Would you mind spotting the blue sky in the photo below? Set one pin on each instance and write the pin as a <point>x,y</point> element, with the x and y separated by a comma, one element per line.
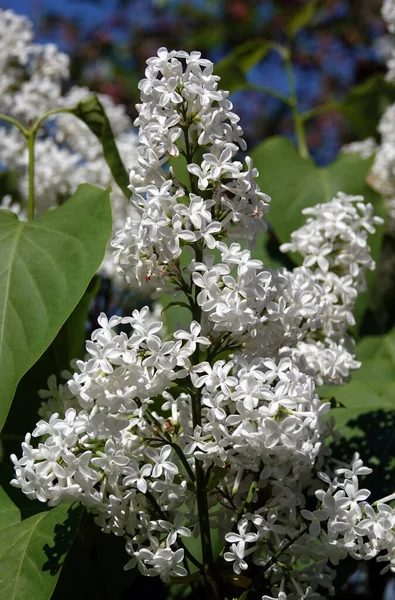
<point>88,13</point>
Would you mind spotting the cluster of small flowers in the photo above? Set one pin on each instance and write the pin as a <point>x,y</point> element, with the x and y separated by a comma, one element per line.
<point>344,524</point>
<point>229,402</point>
<point>127,452</point>
<point>273,309</point>
<point>31,74</point>
<point>183,111</point>
<point>66,152</point>
<point>382,176</point>
<point>364,148</point>
<point>333,243</point>
<point>388,14</point>
<point>114,452</point>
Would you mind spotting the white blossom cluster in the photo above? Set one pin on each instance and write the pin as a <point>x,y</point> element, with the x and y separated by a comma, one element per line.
<point>382,175</point>
<point>67,153</point>
<point>218,426</point>
<point>388,14</point>
<point>363,148</point>
<point>184,112</point>
<point>333,243</point>
<point>31,74</point>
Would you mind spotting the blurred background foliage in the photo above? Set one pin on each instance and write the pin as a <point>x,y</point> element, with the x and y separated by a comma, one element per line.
<point>338,51</point>
<point>340,46</point>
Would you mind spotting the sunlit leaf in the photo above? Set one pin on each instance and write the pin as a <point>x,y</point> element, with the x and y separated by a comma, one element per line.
<point>45,267</point>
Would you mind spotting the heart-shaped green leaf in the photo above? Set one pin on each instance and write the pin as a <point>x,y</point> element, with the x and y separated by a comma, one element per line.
<point>32,551</point>
<point>45,267</point>
<point>294,183</point>
<point>372,387</point>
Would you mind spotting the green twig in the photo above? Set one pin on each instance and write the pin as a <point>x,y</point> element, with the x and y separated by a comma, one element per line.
<point>30,147</point>
<point>30,135</point>
<point>16,124</point>
<point>319,110</point>
<point>270,92</point>
<point>297,117</point>
<point>281,551</point>
<point>201,492</point>
<point>175,446</point>
<point>50,113</point>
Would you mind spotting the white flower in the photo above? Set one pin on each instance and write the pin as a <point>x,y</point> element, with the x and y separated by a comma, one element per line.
<point>161,464</point>
<point>193,338</point>
<point>236,556</point>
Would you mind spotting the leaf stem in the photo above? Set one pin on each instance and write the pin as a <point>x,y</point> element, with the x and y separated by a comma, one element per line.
<point>30,147</point>
<point>320,110</point>
<point>55,111</point>
<point>14,122</point>
<point>266,90</point>
<point>30,135</point>
<point>297,117</point>
<point>283,549</point>
<point>201,492</point>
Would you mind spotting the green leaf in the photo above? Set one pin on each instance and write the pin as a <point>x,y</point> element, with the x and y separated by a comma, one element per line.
<point>372,387</point>
<point>175,313</point>
<point>294,183</point>
<point>68,344</point>
<point>364,104</point>
<point>72,336</point>
<point>367,419</point>
<point>96,561</point>
<point>92,113</point>
<point>9,184</point>
<point>45,267</point>
<point>234,67</point>
<point>216,475</point>
<point>178,164</point>
<point>32,550</point>
<point>302,18</point>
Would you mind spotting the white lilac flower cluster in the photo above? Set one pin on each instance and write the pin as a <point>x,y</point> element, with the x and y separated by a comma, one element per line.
<point>388,46</point>
<point>382,175</point>
<point>333,243</point>
<point>31,74</point>
<point>219,426</point>
<point>184,112</point>
<point>66,152</point>
<point>363,148</point>
<point>388,14</point>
